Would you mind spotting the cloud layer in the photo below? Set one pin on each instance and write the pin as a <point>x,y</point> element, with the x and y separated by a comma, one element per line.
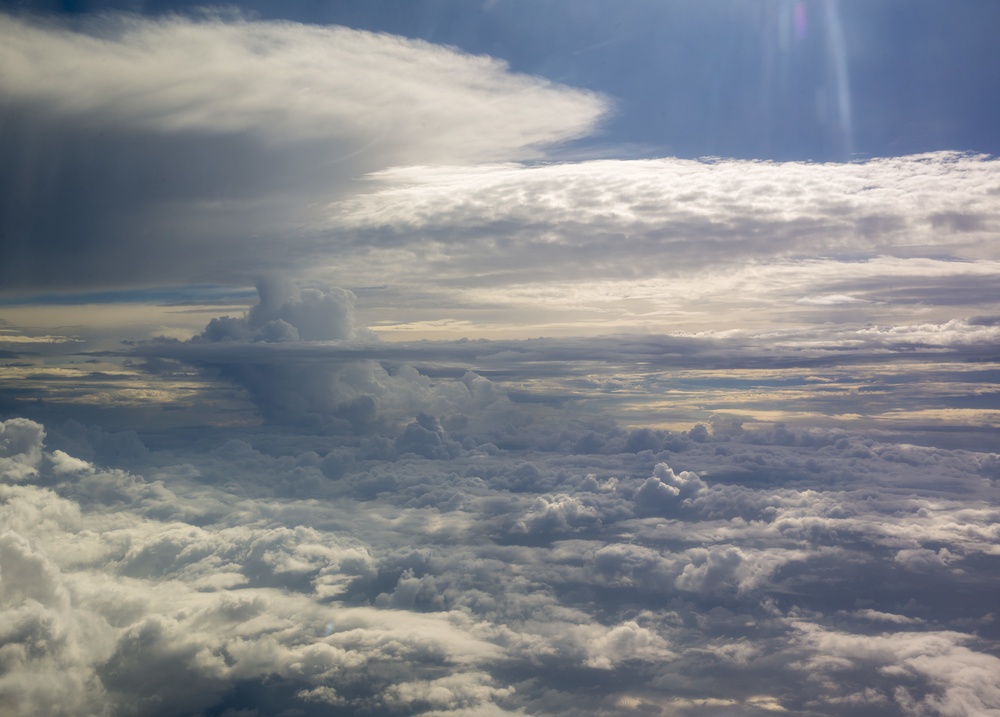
<point>219,149</point>
<point>303,359</point>
<point>667,242</point>
<point>799,573</point>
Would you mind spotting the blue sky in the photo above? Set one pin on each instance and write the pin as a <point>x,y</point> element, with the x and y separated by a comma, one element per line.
<point>499,358</point>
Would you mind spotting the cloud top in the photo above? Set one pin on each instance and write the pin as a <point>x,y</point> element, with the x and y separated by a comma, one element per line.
<point>286,82</point>
<point>183,149</point>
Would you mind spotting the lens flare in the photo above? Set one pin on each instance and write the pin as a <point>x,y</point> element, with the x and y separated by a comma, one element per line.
<point>800,22</point>
<point>838,59</point>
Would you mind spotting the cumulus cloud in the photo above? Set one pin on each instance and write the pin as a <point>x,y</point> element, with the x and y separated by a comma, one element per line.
<point>20,448</point>
<point>664,490</point>
<point>956,679</point>
<point>477,581</point>
<point>311,314</point>
<point>337,389</point>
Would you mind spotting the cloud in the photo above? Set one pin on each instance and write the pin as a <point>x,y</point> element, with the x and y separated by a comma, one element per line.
<point>181,147</point>
<point>686,209</point>
<point>286,82</point>
<point>219,149</point>
<point>304,358</point>
<point>627,641</point>
<point>780,495</point>
<point>478,581</point>
<point>20,448</point>
<point>664,489</point>
<point>957,677</point>
<point>47,641</point>
<point>286,312</point>
<point>610,245</point>
<point>335,394</point>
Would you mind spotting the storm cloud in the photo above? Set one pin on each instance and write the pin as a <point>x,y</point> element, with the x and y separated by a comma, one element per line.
<point>163,139</point>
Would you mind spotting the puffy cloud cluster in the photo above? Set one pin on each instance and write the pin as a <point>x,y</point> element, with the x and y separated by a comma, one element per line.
<point>20,448</point>
<point>287,312</point>
<point>742,570</point>
<point>664,490</point>
<point>339,391</point>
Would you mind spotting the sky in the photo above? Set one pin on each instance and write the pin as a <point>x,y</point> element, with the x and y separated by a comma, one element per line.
<point>506,358</point>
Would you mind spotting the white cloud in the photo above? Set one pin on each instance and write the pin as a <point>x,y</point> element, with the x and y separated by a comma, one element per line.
<point>647,244</point>
<point>288,82</point>
<point>205,149</point>
<point>20,448</point>
<point>665,489</point>
<point>484,582</point>
<point>810,209</point>
<point>960,679</point>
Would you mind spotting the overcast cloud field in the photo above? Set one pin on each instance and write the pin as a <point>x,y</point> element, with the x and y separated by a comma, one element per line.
<point>506,358</point>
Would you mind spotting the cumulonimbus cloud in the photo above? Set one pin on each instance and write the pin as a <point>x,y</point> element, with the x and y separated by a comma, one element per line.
<point>287,82</point>
<point>176,147</point>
